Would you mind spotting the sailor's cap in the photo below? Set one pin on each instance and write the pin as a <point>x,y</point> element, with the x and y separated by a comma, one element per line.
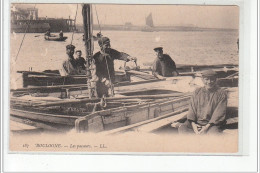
<point>70,46</point>
<point>103,40</point>
<point>208,73</point>
<point>158,49</point>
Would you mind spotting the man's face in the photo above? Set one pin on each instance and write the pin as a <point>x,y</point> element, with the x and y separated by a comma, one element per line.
<point>159,54</point>
<point>106,46</point>
<point>78,54</point>
<point>209,82</point>
<point>70,52</point>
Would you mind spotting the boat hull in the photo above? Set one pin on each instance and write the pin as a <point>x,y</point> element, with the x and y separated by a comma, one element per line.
<point>55,38</point>
<point>101,120</point>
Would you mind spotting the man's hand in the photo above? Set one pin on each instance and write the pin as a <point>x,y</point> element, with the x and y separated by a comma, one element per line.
<point>204,129</point>
<point>160,77</point>
<point>196,128</point>
<point>133,59</point>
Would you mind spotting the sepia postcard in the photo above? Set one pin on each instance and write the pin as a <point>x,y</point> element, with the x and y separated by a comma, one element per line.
<point>124,78</point>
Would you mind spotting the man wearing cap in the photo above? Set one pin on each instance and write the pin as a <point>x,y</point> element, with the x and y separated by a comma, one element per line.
<point>81,62</point>
<point>104,61</point>
<point>207,108</point>
<point>163,65</point>
<point>69,66</point>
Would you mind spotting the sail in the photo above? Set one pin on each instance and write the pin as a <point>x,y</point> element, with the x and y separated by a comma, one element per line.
<point>149,20</point>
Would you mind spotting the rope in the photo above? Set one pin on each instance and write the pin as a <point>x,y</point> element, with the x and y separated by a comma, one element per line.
<point>98,20</point>
<point>74,23</point>
<point>23,37</point>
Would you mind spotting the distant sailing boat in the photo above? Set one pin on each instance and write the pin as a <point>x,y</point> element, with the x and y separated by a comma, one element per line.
<point>149,24</point>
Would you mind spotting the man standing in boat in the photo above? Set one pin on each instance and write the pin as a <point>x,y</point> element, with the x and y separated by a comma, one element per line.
<point>104,61</point>
<point>163,65</point>
<point>69,66</point>
<point>61,34</point>
<point>207,108</point>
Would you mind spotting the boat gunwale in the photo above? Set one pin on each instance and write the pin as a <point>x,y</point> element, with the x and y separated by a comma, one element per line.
<point>13,111</point>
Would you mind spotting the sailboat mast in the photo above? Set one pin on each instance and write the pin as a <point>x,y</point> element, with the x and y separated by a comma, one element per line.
<point>88,30</point>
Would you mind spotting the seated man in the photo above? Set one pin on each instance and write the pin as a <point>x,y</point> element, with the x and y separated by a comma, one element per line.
<point>207,108</point>
<point>69,66</point>
<point>163,65</point>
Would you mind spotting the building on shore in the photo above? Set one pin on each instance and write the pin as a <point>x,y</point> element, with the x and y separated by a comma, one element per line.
<point>24,18</point>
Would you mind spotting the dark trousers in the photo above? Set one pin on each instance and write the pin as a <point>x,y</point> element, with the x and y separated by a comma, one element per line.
<point>186,128</point>
<point>102,89</point>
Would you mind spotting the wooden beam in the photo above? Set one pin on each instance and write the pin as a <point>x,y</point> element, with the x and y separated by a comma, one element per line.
<point>52,118</point>
<point>153,126</point>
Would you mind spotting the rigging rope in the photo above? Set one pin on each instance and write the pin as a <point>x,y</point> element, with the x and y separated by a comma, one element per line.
<point>74,24</point>
<point>23,37</point>
<point>98,20</point>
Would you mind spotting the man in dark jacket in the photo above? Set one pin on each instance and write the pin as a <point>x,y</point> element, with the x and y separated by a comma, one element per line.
<point>81,62</point>
<point>163,65</point>
<point>104,61</point>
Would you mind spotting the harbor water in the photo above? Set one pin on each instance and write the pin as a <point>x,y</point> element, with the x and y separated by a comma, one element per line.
<point>189,47</point>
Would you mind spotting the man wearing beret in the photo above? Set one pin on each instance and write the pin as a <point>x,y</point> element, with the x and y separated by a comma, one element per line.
<point>163,65</point>
<point>207,108</point>
<point>104,61</point>
<point>69,66</point>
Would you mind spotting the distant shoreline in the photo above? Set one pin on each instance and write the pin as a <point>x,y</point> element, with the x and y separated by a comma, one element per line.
<point>79,29</point>
<point>152,29</point>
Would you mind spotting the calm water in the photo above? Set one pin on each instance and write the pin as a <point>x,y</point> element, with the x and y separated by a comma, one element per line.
<point>214,47</point>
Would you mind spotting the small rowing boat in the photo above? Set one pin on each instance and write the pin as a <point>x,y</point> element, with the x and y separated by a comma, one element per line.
<point>55,38</point>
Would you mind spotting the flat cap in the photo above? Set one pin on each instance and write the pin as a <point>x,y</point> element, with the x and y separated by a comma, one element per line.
<point>103,40</point>
<point>158,49</point>
<point>70,46</point>
<point>208,73</point>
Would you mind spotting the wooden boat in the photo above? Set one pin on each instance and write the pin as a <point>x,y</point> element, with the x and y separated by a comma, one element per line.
<point>66,115</point>
<point>52,77</point>
<point>50,83</point>
<point>130,111</point>
<point>55,38</point>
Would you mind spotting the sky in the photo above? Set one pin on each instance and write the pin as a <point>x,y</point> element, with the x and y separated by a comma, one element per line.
<point>163,15</point>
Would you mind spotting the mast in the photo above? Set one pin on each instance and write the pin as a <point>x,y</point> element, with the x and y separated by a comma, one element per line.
<point>89,46</point>
<point>88,31</point>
